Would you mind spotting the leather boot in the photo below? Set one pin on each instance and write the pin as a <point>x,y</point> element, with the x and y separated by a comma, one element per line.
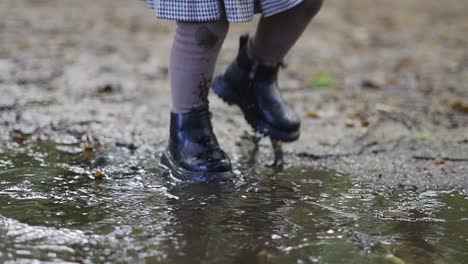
<point>193,153</point>
<point>253,87</point>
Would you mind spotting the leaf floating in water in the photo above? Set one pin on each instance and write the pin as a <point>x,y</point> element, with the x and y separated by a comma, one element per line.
<point>97,174</point>
<point>313,115</point>
<point>460,106</point>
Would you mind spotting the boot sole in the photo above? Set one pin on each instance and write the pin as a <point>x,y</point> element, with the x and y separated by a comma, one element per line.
<point>169,163</point>
<point>260,126</point>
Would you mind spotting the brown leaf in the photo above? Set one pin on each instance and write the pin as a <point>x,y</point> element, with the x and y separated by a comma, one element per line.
<point>97,174</point>
<point>18,136</point>
<point>313,115</point>
<point>460,106</point>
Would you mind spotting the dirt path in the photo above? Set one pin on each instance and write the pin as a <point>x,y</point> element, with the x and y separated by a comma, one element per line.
<point>386,79</point>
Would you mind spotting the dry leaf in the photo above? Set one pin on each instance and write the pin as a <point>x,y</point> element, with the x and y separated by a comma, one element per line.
<point>97,174</point>
<point>313,115</point>
<point>460,106</point>
<point>17,136</point>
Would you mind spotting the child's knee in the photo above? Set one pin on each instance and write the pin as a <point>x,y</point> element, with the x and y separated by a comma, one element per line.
<point>206,35</point>
<point>210,35</point>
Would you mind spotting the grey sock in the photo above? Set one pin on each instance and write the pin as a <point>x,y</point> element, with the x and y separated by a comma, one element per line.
<point>193,58</point>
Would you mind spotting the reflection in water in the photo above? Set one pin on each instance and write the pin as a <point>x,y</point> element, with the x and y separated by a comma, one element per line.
<point>51,209</point>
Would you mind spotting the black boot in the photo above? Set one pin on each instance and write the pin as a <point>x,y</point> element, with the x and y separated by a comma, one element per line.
<point>194,153</point>
<point>253,87</point>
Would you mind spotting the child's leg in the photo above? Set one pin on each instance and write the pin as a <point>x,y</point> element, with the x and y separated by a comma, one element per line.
<point>193,152</point>
<point>277,34</point>
<point>251,80</point>
<point>193,57</point>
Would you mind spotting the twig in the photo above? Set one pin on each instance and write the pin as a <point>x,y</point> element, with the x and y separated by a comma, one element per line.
<point>338,155</point>
<point>420,157</point>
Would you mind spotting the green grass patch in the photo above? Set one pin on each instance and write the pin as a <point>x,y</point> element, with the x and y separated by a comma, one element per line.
<point>321,80</point>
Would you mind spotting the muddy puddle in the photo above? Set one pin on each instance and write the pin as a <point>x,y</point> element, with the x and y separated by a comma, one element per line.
<point>57,206</point>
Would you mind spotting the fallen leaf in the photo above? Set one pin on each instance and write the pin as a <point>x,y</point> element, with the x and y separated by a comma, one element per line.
<point>460,106</point>
<point>18,136</point>
<point>88,151</point>
<point>365,122</point>
<point>313,115</point>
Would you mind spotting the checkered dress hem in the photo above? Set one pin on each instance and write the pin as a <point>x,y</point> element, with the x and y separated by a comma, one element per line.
<point>235,11</point>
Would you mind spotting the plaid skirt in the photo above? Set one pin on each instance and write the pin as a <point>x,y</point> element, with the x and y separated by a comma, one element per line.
<point>212,10</point>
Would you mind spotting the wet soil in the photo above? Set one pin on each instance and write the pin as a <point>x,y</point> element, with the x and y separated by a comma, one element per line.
<point>380,172</point>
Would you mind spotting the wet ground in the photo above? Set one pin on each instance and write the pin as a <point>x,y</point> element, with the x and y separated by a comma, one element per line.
<point>52,211</point>
<point>379,175</point>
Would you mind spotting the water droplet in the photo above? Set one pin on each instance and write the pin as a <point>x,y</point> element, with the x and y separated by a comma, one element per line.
<point>275,236</point>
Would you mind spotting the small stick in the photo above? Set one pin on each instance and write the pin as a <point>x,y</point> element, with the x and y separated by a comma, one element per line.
<point>420,157</point>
